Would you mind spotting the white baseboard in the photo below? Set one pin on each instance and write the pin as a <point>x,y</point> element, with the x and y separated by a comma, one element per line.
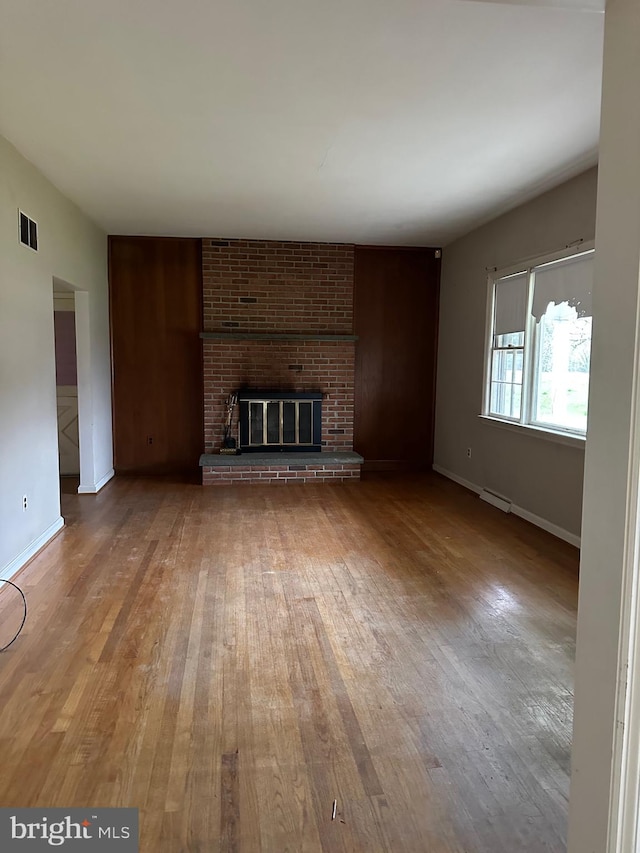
<point>94,489</point>
<point>543,523</point>
<point>459,480</point>
<point>31,550</point>
<point>560,532</point>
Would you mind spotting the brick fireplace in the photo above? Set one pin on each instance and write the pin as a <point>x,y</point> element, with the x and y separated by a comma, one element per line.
<point>279,315</point>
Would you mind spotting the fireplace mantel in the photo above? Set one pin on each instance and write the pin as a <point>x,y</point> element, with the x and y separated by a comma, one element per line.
<point>274,336</point>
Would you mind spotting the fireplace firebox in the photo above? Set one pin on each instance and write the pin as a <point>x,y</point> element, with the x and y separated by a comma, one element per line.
<point>278,421</point>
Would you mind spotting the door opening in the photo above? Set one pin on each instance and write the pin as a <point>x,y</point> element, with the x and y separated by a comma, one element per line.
<point>67,387</point>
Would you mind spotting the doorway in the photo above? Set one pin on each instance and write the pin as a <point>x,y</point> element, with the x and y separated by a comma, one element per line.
<point>64,321</point>
<point>73,386</point>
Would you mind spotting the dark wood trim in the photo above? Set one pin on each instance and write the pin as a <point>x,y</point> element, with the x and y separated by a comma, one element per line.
<point>254,336</point>
<point>141,238</point>
<point>372,466</point>
<point>399,248</point>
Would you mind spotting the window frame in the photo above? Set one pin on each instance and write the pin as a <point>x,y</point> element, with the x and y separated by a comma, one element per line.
<point>531,343</point>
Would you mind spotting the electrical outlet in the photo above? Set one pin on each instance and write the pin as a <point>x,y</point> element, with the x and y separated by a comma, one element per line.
<point>25,503</point>
<point>468,453</point>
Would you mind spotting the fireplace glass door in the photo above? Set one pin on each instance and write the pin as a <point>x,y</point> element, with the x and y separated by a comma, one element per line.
<point>280,423</point>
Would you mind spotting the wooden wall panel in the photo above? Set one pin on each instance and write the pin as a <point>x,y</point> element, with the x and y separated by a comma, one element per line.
<point>156,319</point>
<point>395,317</point>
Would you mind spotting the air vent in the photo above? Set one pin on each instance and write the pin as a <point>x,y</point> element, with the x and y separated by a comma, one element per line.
<point>28,230</point>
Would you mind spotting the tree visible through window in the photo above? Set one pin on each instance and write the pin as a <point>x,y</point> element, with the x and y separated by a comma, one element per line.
<point>540,344</point>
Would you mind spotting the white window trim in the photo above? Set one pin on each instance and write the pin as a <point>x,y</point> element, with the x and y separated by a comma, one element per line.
<point>568,437</point>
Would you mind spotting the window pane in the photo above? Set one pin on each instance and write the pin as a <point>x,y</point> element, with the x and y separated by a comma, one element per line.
<point>514,339</point>
<point>506,383</point>
<point>510,304</point>
<point>564,349</point>
<point>569,280</point>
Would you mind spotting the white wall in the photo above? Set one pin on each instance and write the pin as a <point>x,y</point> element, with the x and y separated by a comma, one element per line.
<point>73,249</point>
<point>543,478</point>
<point>604,813</point>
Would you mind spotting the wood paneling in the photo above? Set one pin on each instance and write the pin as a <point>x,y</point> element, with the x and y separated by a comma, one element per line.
<point>232,661</point>
<point>156,319</point>
<point>395,317</point>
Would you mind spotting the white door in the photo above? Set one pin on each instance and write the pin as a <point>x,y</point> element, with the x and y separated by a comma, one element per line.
<point>68,443</point>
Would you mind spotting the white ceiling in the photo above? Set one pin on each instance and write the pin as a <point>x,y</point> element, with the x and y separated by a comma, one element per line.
<point>367,121</point>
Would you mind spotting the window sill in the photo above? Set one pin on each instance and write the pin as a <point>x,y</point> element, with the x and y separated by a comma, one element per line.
<point>537,432</point>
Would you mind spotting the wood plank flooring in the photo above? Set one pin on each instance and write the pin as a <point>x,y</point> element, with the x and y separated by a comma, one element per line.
<point>231,661</point>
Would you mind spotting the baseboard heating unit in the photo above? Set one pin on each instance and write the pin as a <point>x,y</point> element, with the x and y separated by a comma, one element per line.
<point>495,500</point>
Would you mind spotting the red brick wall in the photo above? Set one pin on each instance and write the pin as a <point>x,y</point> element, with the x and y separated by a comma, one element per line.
<point>319,366</point>
<point>262,286</point>
<point>296,288</point>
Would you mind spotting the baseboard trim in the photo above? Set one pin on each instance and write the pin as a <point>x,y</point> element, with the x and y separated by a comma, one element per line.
<point>560,532</point>
<point>531,517</point>
<point>31,550</point>
<point>456,479</point>
<point>94,489</point>
<point>373,466</point>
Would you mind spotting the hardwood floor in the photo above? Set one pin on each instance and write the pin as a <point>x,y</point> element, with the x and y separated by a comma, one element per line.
<point>231,661</point>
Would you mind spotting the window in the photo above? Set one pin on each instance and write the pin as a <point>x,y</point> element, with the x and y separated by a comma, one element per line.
<point>539,344</point>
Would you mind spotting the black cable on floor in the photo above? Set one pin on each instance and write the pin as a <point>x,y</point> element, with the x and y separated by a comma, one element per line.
<point>24,618</point>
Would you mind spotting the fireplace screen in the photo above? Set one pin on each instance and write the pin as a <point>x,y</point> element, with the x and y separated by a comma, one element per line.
<point>278,421</point>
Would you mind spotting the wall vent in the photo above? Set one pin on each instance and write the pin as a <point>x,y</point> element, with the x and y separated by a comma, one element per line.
<point>495,500</point>
<point>27,231</point>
